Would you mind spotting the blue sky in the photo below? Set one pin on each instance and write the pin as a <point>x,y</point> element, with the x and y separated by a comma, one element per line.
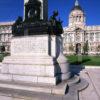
<point>11,9</point>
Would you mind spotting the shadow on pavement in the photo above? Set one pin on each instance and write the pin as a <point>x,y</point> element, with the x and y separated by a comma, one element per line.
<point>75,69</point>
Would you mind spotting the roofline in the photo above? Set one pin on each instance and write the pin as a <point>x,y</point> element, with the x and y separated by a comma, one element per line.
<point>7,23</point>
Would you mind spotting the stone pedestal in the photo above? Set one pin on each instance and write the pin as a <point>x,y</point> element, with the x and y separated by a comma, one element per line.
<point>37,65</point>
<point>36,59</point>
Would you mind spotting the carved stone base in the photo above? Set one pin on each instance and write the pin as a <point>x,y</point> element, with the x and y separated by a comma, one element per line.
<point>37,65</point>
<point>31,61</point>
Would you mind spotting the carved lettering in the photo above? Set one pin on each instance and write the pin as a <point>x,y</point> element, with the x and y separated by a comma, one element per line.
<point>31,45</point>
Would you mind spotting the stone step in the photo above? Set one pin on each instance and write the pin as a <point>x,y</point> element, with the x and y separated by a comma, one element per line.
<point>45,60</point>
<point>29,79</point>
<point>38,88</point>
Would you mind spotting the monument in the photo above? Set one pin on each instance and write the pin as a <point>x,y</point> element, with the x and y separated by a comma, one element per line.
<point>44,9</point>
<point>36,54</point>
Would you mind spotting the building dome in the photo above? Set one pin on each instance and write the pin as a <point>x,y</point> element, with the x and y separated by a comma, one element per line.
<point>77,8</point>
<point>77,16</point>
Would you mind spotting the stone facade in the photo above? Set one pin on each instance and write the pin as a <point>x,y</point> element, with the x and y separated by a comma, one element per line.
<point>5,36</point>
<point>77,34</point>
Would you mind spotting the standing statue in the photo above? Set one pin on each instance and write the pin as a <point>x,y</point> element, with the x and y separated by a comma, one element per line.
<point>32,10</point>
<point>56,24</point>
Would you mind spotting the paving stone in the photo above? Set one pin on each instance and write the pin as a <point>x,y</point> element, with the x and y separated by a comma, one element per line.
<point>94,75</point>
<point>89,93</point>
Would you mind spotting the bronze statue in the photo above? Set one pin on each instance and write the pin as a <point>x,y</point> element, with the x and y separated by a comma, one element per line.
<point>33,25</point>
<point>32,10</point>
<point>56,24</point>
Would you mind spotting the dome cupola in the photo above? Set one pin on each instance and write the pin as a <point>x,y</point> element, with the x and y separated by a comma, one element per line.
<point>77,16</point>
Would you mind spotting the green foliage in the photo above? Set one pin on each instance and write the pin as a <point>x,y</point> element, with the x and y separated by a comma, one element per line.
<point>2,55</point>
<point>86,47</point>
<point>84,59</point>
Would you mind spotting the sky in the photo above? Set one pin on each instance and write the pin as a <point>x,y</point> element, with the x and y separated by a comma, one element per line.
<point>11,9</point>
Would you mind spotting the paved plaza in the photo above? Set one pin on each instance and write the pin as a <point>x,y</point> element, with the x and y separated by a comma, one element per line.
<point>92,75</point>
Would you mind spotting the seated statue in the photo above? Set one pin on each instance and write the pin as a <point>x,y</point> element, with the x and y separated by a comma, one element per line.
<point>32,10</point>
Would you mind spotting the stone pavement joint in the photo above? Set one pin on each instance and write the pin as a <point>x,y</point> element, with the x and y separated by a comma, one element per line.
<point>96,87</point>
<point>92,75</point>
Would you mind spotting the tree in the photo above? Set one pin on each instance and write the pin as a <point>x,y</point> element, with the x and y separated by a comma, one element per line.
<point>86,47</point>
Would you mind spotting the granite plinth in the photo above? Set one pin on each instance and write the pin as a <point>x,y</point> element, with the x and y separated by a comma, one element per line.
<point>33,60</point>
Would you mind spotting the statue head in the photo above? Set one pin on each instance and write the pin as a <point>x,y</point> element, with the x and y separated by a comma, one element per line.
<point>55,13</point>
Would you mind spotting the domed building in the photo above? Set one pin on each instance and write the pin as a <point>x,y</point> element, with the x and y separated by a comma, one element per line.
<point>5,36</point>
<point>77,16</point>
<point>78,38</point>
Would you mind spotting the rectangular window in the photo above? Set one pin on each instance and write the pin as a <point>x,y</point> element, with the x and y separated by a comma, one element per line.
<point>91,36</point>
<point>97,36</point>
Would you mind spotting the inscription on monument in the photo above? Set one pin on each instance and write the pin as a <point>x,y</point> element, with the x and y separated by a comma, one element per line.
<point>33,45</point>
